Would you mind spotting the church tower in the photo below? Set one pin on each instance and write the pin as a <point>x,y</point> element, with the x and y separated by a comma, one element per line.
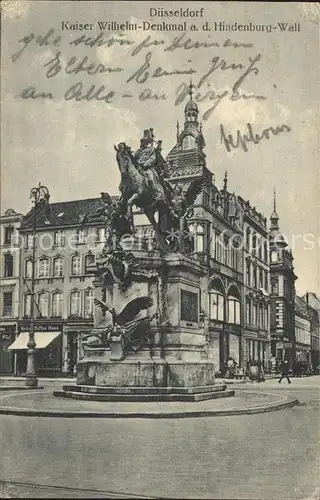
<point>282,293</point>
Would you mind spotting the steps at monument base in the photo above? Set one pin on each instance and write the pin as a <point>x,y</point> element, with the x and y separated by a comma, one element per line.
<point>95,389</point>
<point>120,397</point>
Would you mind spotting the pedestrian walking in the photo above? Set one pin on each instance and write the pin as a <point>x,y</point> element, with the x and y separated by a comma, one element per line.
<point>284,367</point>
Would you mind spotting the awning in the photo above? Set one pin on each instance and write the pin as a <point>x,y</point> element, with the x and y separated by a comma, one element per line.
<point>42,340</point>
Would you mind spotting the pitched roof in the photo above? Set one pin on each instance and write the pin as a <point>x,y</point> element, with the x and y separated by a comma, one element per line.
<point>65,213</point>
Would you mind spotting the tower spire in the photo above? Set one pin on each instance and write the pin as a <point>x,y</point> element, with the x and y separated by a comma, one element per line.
<point>274,219</point>
<point>178,130</point>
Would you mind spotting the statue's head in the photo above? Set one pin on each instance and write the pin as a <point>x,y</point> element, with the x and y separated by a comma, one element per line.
<point>147,138</point>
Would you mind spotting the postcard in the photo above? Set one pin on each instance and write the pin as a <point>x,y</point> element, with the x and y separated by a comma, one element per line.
<point>159,249</point>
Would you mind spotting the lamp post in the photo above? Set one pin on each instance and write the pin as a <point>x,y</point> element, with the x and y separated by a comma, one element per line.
<point>40,197</point>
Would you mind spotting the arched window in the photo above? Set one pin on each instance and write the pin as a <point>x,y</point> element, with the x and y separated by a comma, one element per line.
<point>188,142</point>
<point>76,265</point>
<point>234,306</point>
<point>28,268</point>
<point>43,304</point>
<point>27,305</point>
<point>43,269</point>
<point>88,303</point>
<point>57,304</point>
<point>89,259</point>
<point>75,305</point>
<point>58,267</point>
<point>216,301</point>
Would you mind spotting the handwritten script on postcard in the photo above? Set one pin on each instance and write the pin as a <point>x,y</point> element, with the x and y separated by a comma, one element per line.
<point>74,57</point>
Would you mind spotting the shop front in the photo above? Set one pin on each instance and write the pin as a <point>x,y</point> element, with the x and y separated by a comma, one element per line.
<point>7,358</point>
<point>48,339</point>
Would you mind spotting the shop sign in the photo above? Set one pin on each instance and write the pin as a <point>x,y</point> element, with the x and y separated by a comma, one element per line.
<point>41,328</point>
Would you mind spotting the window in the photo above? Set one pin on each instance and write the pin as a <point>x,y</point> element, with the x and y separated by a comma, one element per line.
<point>8,265</point>
<point>261,319</point>
<point>266,281</point>
<point>255,281</point>
<point>255,314</point>
<point>89,260</point>
<point>27,305</point>
<point>261,278</point>
<point>29,241</point>
<point>58,267</point>
<point>274,256</point>
<point>76,265</point>
<point>248,238</point>
<point>225,250</point>
<point>248,310</point>
<point>44,304</point>
<point>59,238</point>
<point>8,234</point>
<point>197,231</point>
<point>81,236</point>
<point>234,306</point>
<point>57,304</point>
<point>275,286</point>
<point>101,234</point>
<point>7,304</point>
<point>260,244</point>
<point>75,303</point>
<point>188,142</point>
<point>248,273</point>
<point>254,244</point>
<point>88,303</point>
<point>28,268</point>
<point>216,301</point>
<point>43,268</point>
<point>213,244</point>
<point>266,251</point>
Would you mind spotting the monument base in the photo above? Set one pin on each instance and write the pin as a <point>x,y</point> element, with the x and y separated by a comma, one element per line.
<point>146,373</point>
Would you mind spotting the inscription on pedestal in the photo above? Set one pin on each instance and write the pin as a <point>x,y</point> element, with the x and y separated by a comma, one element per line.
<point>189,306</point>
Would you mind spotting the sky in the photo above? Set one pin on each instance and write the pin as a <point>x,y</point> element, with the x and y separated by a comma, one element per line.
<point>68,143</point>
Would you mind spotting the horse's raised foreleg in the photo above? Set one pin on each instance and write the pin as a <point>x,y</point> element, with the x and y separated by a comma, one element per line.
<point>129,206</point>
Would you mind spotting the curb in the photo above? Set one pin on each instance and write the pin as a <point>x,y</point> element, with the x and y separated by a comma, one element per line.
<point>18,388</point>
<point>26,412</point>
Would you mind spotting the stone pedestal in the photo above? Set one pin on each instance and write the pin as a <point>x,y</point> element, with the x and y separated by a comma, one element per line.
<point>177,356</point>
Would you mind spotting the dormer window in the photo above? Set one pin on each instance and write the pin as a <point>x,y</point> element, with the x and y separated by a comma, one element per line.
<point>274,256</point>
<point>188,142</point>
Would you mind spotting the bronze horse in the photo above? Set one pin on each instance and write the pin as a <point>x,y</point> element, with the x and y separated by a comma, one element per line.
<point>147,192</point>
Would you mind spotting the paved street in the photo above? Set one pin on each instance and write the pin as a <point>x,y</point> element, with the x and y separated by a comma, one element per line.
<point>267,456</point>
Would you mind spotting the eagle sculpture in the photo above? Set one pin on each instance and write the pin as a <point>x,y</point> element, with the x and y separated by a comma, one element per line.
<point>134,331</point>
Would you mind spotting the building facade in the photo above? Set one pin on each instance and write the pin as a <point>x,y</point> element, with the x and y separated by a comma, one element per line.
<point>256,285</point>
<point>69,235</point>
<point>302,319</point>
<point>9,286</point>
<point>282,293</point>
<point>313,302</point>
<point>218,225</point>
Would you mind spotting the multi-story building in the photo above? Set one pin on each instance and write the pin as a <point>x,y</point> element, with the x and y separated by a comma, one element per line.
<point>313,302</point>
<point>282,293</point>
<point>69,235</point>
<point>217,228</point>
<point>9,286</point>
<point>256,285</point>
<point>302,331</point>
